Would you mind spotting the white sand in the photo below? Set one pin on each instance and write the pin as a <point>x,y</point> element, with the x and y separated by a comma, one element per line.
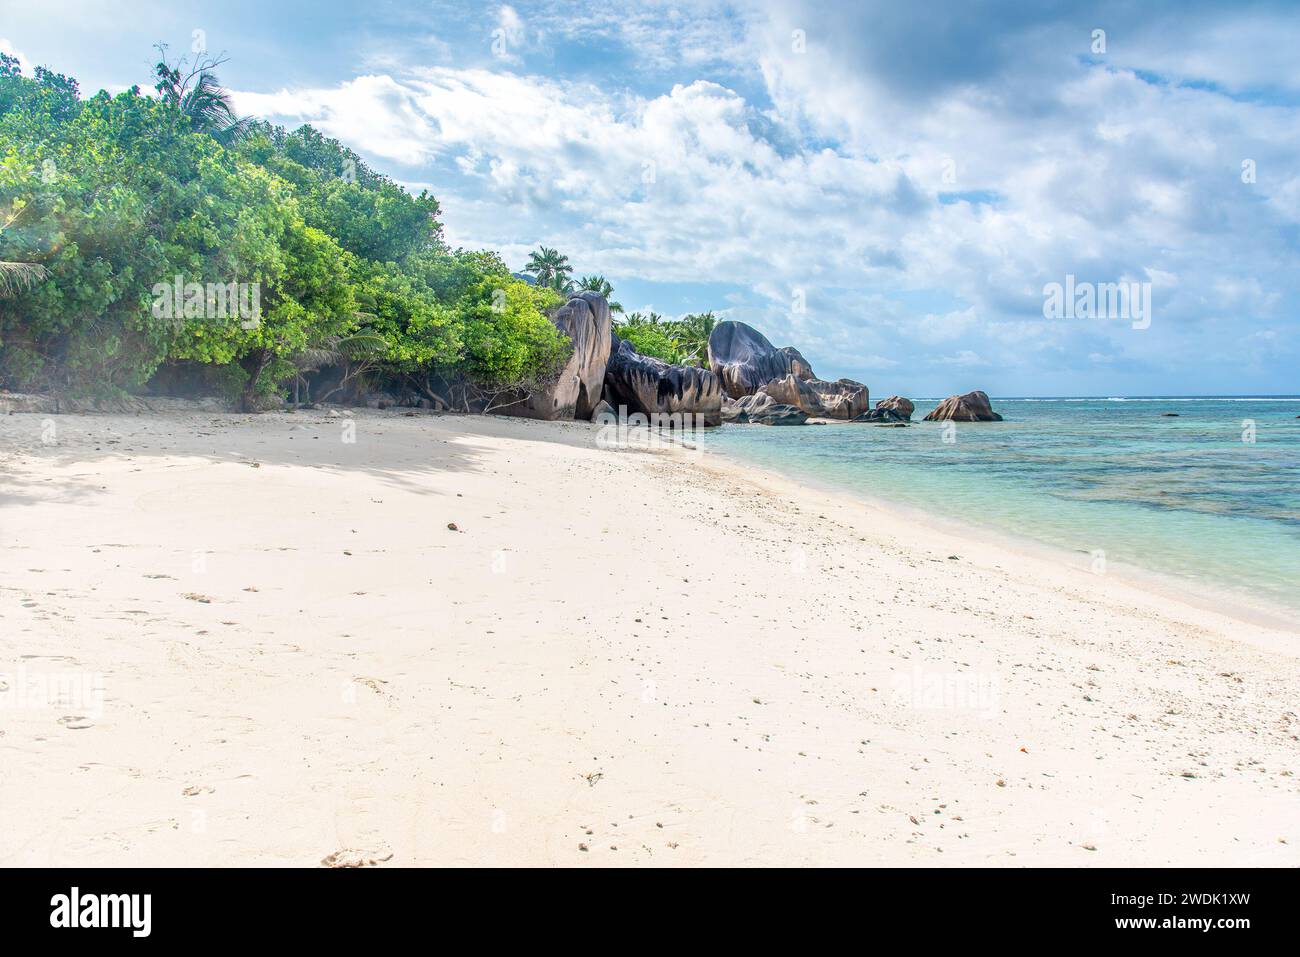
<point>662,660</point>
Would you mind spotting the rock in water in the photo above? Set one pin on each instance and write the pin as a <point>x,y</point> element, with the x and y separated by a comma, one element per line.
<point>742,358</point>
<point>971,407</point>
<point>798,393</point>
<point>576,392</point>
<point>896,403</point>
<point>761,409</point>
<point>895,409</point>
<point>842,399</point>
<point>650,386</point>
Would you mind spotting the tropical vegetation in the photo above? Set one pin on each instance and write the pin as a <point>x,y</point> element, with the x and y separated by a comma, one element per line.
<point>683,341</point>
<point>128,223</point>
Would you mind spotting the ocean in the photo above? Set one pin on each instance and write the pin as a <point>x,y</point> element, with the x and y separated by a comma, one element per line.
<point>1210,497</point>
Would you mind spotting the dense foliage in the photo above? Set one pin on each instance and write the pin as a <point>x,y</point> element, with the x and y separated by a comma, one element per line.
<point>683,341</point>
<point>133,226</point>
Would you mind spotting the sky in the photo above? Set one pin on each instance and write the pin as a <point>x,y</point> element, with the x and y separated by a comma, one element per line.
<point>888,186</point>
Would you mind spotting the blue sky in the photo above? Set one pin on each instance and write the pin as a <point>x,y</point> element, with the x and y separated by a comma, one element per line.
<point>886,186</point>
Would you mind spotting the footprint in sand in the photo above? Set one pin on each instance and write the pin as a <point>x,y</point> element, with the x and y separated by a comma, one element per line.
<point>76,722</point>
<point>351,857</point>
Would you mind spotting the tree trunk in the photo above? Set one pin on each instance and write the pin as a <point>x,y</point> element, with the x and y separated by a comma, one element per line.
<point>246,402</point>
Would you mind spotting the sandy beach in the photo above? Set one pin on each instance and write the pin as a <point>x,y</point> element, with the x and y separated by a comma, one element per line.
<point>270,648</point>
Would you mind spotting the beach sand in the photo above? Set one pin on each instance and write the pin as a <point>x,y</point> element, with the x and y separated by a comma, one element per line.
<point>244,640</point>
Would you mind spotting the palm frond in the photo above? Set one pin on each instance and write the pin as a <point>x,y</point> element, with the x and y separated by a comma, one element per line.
<point>314,357</point>
<point>16,277</point>
<point>362,345</point>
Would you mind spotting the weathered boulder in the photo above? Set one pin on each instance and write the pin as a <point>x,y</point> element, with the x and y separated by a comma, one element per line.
<point>841,399</point>
<point>743,359</point>
<point>971,407</point>
<point>577,390</point>
<point>761,409</point>
<point>893,409</point>
<point>650,386</point>
<point>896,403</point>
<point>603,408</point>
<point>788,390</point>
<point>881,415</point>
<point>800,367</point>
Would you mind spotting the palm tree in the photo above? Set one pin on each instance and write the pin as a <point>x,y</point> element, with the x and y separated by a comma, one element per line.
<point>691,334</point>
<point>200,98</point>
<point>551,267</point>
<point>355,355</point>
<point>601,285</point>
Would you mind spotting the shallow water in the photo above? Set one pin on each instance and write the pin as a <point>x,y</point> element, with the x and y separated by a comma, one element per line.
<point>1203,497</point>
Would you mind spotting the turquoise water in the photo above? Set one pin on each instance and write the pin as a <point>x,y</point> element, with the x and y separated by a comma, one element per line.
<point>1184,496</point>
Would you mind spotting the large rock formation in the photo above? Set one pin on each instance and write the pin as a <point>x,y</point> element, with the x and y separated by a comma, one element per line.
<point>761,409</point>
<point>649,386</point>
<point>576,392</point>
<point>971,407</point>
<point>893,409</point>
<point>747,363</point>
<point>842,399</point>
<point>742,358</point>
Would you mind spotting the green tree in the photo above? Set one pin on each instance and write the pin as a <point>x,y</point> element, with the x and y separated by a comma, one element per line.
<point>102,205</point>
<point>691,338</point>
<point>301,274</point>
<point>511,347</point>
<point>649,334</point>
<point>551,268</point>
<point>601,285</point>
<point>196,94</point>
<point>366,212</point>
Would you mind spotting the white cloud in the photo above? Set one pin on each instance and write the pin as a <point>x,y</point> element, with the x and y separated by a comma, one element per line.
<point>375,115</point>
<point>1056,166</point>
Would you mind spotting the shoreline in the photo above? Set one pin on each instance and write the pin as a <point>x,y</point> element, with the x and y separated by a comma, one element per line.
<point>614,658</point>
<point>1248,608</point>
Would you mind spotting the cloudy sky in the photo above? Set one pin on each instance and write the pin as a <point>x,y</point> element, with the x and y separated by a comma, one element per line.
<point>887,185</point>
